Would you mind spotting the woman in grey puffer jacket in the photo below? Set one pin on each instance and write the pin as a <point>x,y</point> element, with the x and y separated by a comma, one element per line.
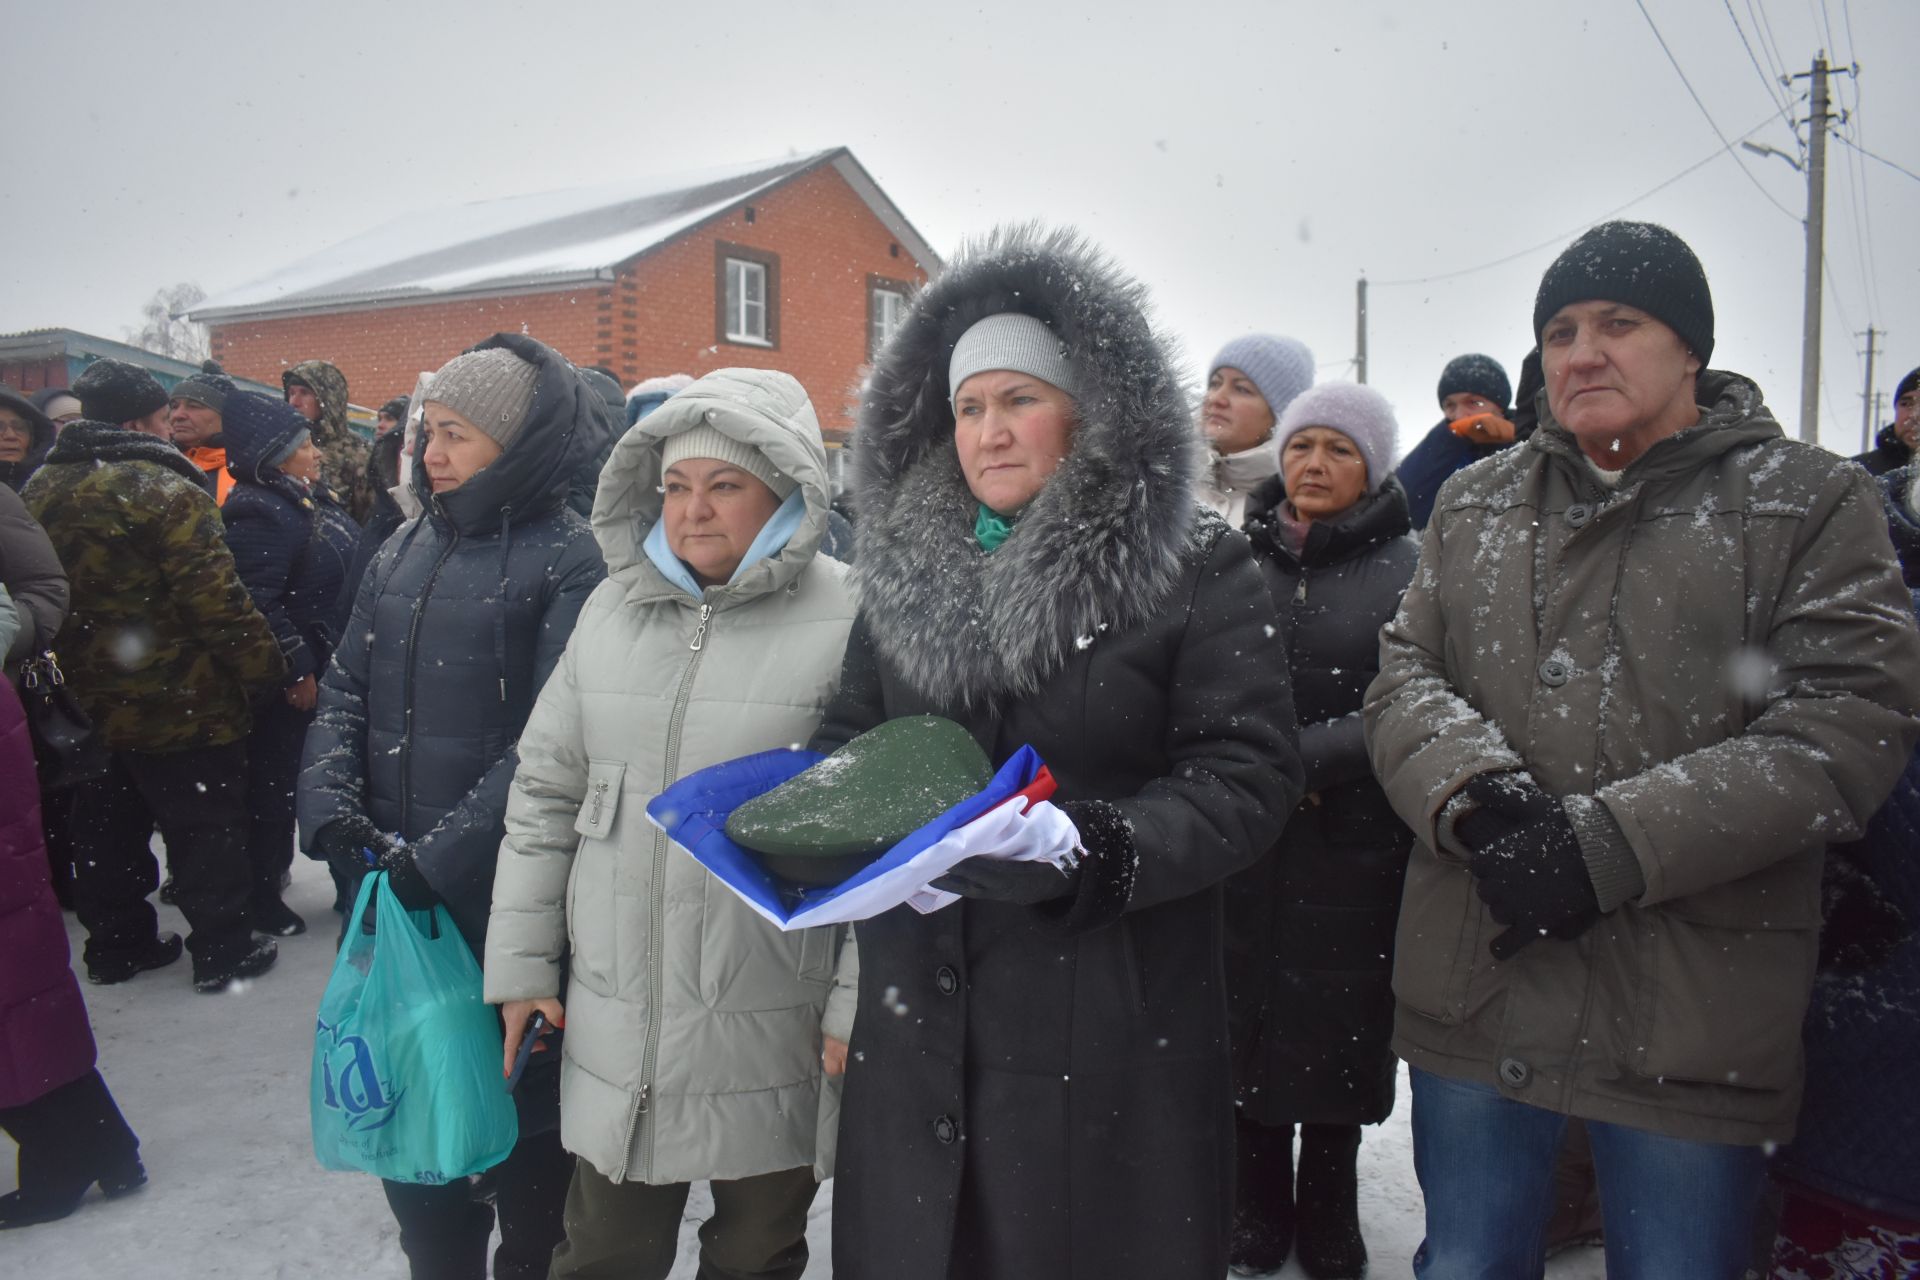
<point>693,1047</point>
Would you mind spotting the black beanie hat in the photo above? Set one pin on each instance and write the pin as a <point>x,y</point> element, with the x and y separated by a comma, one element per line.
<point>1476,375</point>
<point>1909,383</point>
<point>115,391</point>
<point>1641,264</point>
<point>395,408</point>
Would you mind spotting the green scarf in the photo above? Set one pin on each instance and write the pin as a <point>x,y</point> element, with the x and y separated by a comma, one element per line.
<point>990,529</point>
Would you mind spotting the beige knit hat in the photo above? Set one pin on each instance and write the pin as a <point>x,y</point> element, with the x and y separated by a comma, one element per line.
<point>707,441</point>
<point>492,389</point>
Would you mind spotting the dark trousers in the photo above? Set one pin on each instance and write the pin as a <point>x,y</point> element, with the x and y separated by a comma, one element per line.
<point>444,1230</point>
<point>69,1137</point>
<point>56,823</point>
<point>631,1230</point>
<point>273,773</point>
<point>197,797</point>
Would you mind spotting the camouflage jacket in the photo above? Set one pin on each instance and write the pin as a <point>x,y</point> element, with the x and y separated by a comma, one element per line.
<point>162,645</point>
<point>343,454</point>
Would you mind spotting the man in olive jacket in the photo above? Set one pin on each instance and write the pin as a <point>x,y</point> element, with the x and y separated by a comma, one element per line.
<point>164,649</point>
<point>1651,663</point>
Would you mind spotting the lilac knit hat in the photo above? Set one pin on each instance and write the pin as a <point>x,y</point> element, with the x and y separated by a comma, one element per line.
<point>1357,412</point>
<point>1281,367</point>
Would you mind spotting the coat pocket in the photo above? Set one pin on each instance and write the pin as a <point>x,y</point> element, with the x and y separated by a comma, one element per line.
<point>601,804</point>
<point>748,966</point>
<point>1436,940</point>
<point>1728,978</point>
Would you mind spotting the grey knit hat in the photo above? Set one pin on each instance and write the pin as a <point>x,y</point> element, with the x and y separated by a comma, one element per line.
<point>288,447</point>
<point>1011,341</point>
<point>209,389</point>
<point>707,441</point>
<point>1281,367</point>
<point>491,388</point>
<point>1357,412</point>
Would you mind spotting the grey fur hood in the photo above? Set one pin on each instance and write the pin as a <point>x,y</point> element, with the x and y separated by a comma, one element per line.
<point>1098,549</point>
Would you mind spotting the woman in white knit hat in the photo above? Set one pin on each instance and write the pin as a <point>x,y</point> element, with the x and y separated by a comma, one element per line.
<point>694,1038</point>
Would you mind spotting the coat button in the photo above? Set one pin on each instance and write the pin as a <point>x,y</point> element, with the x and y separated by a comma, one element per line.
<point>1515,1073</point>
<point>946,979</point>
<point>1579,514</point>
<point>1553,673</point>
<point>945,1129</point>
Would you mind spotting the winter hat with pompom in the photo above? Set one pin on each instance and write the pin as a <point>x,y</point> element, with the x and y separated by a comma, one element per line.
<point>1476,375</point>
<point>1641,264</point>
<point>1281,367</point>
<point>1357,412</point>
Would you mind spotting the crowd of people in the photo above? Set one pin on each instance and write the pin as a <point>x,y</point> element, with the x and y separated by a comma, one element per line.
<point>1569,761</point>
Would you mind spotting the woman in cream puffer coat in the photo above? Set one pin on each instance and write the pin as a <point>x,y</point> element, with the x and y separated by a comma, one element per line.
<point>693,1028</point>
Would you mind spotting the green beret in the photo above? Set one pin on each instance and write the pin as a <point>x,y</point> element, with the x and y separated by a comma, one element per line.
<point>825,824</point>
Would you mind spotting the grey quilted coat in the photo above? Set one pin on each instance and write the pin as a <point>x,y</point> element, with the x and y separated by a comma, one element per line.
<point>693,1027</point>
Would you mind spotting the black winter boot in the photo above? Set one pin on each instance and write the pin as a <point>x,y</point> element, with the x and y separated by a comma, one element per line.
<point>250,963</point>
<point>1263,1198</point>
<point>105,969</point>
<point>1329,1208</point>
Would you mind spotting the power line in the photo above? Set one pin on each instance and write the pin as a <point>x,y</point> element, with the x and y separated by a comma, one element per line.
<point>1774,95</point>
<point>1882,159</point>
<point>1758,185</point>
<point>1564,236</point>
<point>1764,27</point>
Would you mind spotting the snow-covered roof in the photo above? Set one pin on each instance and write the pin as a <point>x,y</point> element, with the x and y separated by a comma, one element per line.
<point>539,241</point>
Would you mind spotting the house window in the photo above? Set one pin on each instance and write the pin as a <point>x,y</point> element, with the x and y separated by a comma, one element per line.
<point>886,307</point>
<point>746,296</point>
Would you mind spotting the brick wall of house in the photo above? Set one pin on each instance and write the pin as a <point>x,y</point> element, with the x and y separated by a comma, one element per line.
<point>658,316</point>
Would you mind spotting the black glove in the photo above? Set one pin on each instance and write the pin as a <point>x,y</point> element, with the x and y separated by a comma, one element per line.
<point>1004,880</point>
<point>345,843</point>
<point>404,878</point>
<point>1503,803</point>
<point>1535,880</point>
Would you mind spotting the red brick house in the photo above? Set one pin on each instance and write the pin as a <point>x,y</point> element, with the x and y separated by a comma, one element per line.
<point>802,265</point>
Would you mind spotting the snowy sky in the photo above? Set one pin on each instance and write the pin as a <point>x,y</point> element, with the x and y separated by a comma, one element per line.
<point>1247,160</point>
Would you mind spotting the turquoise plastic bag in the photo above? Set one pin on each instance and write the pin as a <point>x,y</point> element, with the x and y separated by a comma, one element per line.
<point>406,1056</point>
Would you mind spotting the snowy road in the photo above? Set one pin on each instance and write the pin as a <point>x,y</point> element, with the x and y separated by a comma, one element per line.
<point>216,1087</point>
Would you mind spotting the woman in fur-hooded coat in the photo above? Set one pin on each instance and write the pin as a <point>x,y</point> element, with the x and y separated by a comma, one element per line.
<point>1041,1088</point>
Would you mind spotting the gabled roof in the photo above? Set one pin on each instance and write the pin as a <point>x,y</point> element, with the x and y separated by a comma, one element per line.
<point>533,242</point>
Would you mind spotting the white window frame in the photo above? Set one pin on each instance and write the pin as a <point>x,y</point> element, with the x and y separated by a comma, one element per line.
<point>747,315</point>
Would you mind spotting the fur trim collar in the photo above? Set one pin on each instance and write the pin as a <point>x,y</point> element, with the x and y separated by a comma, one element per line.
<point>86,441</point>
<point>1101,546</point>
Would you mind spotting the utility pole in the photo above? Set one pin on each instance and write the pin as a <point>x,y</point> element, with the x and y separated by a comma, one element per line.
<point>1867,398</point>
<point>1360,330</point>
<point>1816,241</point>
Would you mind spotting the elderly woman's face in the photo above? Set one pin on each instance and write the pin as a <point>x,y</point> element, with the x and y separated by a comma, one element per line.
<point>713,511</point>
<point>1011,430</point>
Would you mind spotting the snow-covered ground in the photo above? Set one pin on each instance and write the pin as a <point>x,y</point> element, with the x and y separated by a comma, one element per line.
<point>216,1087</point>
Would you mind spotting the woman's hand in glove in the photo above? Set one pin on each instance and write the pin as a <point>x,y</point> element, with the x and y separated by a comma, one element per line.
<point>1004,880</point>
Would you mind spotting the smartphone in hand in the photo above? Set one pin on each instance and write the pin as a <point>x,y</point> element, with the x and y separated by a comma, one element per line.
<point>535,1025</point>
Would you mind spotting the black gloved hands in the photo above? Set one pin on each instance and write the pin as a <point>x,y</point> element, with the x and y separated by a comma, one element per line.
<point>1005,880</point>
<point>404,878</point>
<point>346,842</point>
<point>1535,880</point>
<point>1503,803</point>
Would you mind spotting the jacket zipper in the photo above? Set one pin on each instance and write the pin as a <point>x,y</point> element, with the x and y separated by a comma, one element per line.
<point>413,652</point>
<point>657,904</point>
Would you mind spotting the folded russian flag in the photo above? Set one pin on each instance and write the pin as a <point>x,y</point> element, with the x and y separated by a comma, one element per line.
<point>1011,818</point>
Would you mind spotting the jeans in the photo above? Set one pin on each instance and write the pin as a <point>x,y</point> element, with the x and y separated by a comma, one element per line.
<point>1485,1162</point>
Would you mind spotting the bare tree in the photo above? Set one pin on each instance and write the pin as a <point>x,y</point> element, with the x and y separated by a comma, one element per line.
<point>165,332</point>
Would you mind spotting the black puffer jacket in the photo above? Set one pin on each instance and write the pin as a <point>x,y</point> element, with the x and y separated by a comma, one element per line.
<point>291,543</point>
<point>457,624</point>
<point>1310,926</point>
<point>1058,1074</point>
<point>1889,453</point>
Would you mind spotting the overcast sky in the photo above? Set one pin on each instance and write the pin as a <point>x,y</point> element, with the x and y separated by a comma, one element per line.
<point>1249,161</point>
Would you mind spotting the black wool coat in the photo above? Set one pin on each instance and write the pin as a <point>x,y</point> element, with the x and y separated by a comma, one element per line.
<point>1044,1091</point>
<point>456,626</point>
<point>1310,926</point>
